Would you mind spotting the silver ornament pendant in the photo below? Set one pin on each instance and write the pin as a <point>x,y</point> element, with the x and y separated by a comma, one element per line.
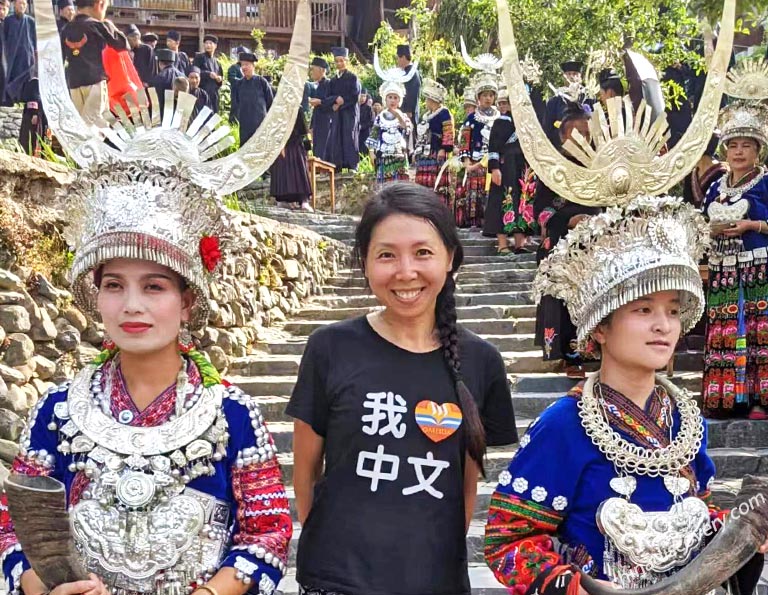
<point>677,486</point>
<point>625,486</point>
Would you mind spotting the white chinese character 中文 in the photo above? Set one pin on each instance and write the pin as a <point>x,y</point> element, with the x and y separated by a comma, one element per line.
<point>386,407</point>
<point>425,485</point>
<point>379,459</point>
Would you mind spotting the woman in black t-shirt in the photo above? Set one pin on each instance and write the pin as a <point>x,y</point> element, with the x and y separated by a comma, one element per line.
<point>399,405</point>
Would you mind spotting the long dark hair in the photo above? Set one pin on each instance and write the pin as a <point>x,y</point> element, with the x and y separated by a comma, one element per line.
<point>403,198</point>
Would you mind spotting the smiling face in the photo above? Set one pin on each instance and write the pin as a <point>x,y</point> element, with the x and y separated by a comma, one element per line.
<point>742,153</point>
<point>406,266</point>
<point>142,305</point>
<point>194,80</point>
<point>641,335</point>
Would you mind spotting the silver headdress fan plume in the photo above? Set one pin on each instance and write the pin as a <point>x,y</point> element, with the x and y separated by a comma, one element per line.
<point>174,141</point>
<point>394,78</point>
<point>628,162</point>
<point>486,62</point>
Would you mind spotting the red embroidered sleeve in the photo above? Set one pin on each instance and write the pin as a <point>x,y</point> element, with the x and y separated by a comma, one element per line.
<point>448,135</point>
<point>263,514</point>
<point>465,141</point>
<point>518,546</point>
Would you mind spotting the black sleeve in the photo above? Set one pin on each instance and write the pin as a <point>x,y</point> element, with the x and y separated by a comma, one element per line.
<point>309,400</point>
<point>497,414</point>
<point>496,144</point>
<point>111,35</point>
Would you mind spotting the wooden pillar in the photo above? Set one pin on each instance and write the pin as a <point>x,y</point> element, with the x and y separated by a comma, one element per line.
<point>343,23</point>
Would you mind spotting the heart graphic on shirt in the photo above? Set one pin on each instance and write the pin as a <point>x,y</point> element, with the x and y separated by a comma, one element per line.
<point>438,422</point>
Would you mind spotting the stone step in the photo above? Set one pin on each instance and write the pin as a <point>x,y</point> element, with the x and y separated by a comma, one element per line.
<point>480,326</point>
<point>521,288</point>
<point>486,259</point>
<point>487,250</point>
<point>464,312</point>
<point>497,298</point>
<point>508,275</point>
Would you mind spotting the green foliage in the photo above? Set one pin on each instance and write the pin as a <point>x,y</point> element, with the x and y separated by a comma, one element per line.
<point>366,166</point>
<point>554,30</point>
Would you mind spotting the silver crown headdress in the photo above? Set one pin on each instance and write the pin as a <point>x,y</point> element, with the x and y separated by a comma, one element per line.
<point>485,81</point>
<point>483,62</point>
<point>652,244</point>
<point>748,115</point>
<point>434,90</point>
<point>144,212</point>
<point>470,96</point>
<point>135,197</point>
<point>394,78</point>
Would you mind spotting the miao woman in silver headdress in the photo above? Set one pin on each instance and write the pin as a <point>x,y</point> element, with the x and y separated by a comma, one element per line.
<point>170,473</point>
<point>736,352</point>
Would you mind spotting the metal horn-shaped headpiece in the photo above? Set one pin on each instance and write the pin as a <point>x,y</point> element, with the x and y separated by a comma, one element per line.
<point>487,62</point>
<point>176,143</point>
<point>615,173</point>
<point>394,74</point>
<point>748,80</point>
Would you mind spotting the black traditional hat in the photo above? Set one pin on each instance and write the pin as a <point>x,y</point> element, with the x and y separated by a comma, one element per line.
<point>132,30</point>
<point>404,50</point>
<point>65,3</point>
<point>209,37</point>
<point>165,55</point>
<point>608,74</point>
<point>174,35</point>
<point>572,66</point>
<point>340,52</point>
<point>247,57</point>
<point>194,70</point>
<point>318,61</point>
<point>149,37</point>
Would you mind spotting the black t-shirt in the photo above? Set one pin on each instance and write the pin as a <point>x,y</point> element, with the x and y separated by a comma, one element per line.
<point>388,515</point>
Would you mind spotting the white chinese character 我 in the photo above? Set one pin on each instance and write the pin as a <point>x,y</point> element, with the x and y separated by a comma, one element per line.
<point>377,473</point>
<point>386,407</point>
<point>425,485</point>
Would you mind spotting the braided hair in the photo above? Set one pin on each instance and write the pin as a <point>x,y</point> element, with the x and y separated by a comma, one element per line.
<point>402,198</point>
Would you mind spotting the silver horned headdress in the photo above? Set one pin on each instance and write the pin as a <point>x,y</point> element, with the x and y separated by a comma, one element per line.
<point>144,212</point>
<point>652,244</point>
<point>626,164</point>
<point>136,136</point>
<point>394,78</point>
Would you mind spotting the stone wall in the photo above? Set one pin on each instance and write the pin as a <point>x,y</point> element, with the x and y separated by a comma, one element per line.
<point>10,122</point>
<point>45,339</point>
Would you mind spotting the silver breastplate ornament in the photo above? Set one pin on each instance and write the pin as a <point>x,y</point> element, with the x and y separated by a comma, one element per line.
<point>642,547</point>
<point>392,141</point>
<point>137,525</point>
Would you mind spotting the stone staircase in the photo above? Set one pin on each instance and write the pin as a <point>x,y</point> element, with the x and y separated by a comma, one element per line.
<point>493,300</point>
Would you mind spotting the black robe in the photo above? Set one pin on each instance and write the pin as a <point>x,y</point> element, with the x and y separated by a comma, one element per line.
<point>505,154</point>
<point>289,175</point>
<point>203,100</point>
<point>18,54</point>
<point>345,128</point>
<point>251,100</point>
<point>182,63</point>
<point>366,123</point>
<point>209,64</point>
<point>2,65</point>
<point>144,62</point>
<point>322,115</point>
<point>411,99</point>
<point>163,81</point>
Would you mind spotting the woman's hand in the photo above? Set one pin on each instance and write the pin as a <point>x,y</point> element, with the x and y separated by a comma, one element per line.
<point>92,586</point>
<point>739,228</point>
<point>763,548</point>
<point>575,220</point>
<point>496,177</point>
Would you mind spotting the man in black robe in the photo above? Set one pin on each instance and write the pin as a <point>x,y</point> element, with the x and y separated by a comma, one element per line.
<point>211,75</point>
<point>251,99</point>
<point>344,97</point>
<point>234,72</point>
<point>163,80</point>
<point>66,13</point>
<point>410,105</point>
<point>18,51</point>
<point>194,89</point>
<point>142,55</point>
<point>366,120</point>
<point>322,113</point>
<point>173,43</point>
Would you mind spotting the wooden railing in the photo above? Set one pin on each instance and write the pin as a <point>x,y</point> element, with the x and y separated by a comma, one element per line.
<point>276,15</point>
